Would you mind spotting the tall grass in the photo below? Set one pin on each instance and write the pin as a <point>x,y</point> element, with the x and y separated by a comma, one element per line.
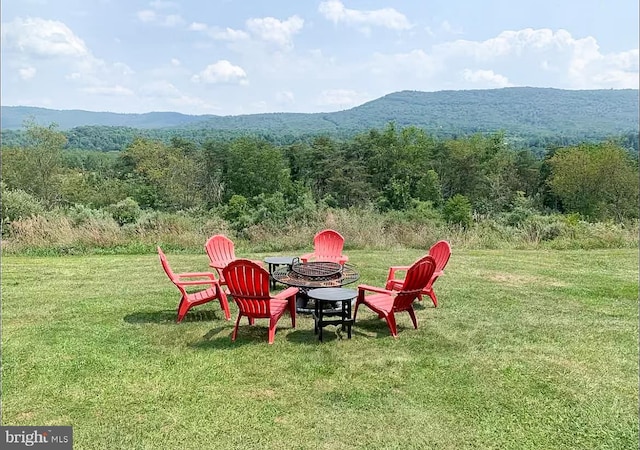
<point>56,233</point>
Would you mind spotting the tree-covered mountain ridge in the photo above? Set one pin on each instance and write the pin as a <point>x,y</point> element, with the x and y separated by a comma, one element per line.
<point>521,112</point>
<point>485,110</point>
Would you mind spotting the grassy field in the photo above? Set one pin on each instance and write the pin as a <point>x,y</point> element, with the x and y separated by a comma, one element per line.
<point>527,350</point>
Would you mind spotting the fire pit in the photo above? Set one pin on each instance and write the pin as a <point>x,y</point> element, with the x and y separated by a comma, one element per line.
<point>316,270</point>
<point>313,275</point>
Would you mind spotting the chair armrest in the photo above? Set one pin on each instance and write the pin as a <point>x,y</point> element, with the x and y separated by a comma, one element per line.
<point>196,282</point>
<point>343,259</point>
<point>288,292</point>
<point>438,273</point>
<point>365,287</point>
<point>304,258</point>
<point>196,275</point>
<point>394,269</point>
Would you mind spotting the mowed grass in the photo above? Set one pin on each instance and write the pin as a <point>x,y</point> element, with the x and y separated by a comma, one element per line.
<point>527,350</point>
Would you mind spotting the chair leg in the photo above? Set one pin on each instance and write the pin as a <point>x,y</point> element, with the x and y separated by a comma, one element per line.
<point>292,310</point>
<point>272,329</point>
<point>224,303</point>
<point>355,309</point>
<point>391,321</point>
<point>434,299</point>
<point>183,307</point>
<point>412,314</point>
<point>251,320</point>
<point>235,329</point>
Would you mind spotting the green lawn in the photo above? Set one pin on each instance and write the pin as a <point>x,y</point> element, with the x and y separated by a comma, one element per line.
<point>527,350</point>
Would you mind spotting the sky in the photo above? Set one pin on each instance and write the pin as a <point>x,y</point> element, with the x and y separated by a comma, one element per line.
<point>230,57</point>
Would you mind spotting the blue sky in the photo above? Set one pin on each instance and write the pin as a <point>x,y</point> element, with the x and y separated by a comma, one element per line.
<point>229,57</point>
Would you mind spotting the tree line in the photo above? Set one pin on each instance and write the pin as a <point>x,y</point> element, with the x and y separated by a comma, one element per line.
<point>249,179</point>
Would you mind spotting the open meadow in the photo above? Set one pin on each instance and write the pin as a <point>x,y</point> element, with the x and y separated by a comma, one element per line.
<point>526,350</point>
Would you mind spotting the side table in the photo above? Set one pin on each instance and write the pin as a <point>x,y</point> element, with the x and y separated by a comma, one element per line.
<point>276,261</point>
<point>326,305</point>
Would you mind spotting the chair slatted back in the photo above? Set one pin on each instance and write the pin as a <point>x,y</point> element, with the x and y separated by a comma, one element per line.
<point>327,245</point>
<point>220,249</point>
<point>168,271</point>
<point>248,284</point>
<point>441,252</point>
<point>417,277</point>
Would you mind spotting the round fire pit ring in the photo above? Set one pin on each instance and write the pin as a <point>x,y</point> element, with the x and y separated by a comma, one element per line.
<point>317,269</point>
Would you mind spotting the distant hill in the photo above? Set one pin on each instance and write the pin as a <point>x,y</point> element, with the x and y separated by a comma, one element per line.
<point>13,117</point>
<point>522,112</point>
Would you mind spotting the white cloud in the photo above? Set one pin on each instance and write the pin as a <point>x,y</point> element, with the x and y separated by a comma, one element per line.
<point>416,63</point>
<point>511,43</point>
<point>193,105</point>
<point>259,106</point>
<point>160,89</point>
<point>146,15</point>
<point>485,78</point>
<point>198,26</point>
<point>273,30</point>
<point>221,72</point>
<point>578,62</point>
<point>229,34</point>
<point>588,69</point>
<point>342,98</point>
<point>37,37</point>
<point>335,11</point>
<point>150,16</point>
<point>448,28</point>
<point>123,69</point>
<point>285,97</point>
<point>108,90</point>
<point>26,73</point>
<point>175,62</point>
<point>159,4</point>
<point>172,20</point>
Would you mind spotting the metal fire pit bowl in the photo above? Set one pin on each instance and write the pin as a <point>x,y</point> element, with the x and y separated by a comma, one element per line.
<point>317,270</point>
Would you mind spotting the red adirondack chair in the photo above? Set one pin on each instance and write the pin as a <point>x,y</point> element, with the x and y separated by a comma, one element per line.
<point>441,252</point>
<point>327,246</point>
<point>248,283</point>
<point>221,251</point>
<point>387,302</point>
<point>189,299</point>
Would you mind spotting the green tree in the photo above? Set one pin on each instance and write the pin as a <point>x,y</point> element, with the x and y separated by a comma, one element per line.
<point>429,188</point>
<point>212,160</point>
<point>166,176</point>
<point>599,181</point>
<point>253,167</point>
<point>482,168</point>
<point>35,167</point>
<point>457,210</point>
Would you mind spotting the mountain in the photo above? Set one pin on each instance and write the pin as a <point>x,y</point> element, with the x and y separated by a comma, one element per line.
<point>521,112</point>
<point>13,118</point>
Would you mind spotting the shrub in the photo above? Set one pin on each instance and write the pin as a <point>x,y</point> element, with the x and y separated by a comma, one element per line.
<point>18,204</point>
<point>125,211</point>
<point>80,214</point>
<point>522,210</point>
<point>457,210</point>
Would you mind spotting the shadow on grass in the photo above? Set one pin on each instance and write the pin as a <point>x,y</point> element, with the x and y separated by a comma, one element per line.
<point>169,316</point>
<point>257,334</point>
<point>424,304</point>
<point>365,327</point>
<point>301,336</point>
